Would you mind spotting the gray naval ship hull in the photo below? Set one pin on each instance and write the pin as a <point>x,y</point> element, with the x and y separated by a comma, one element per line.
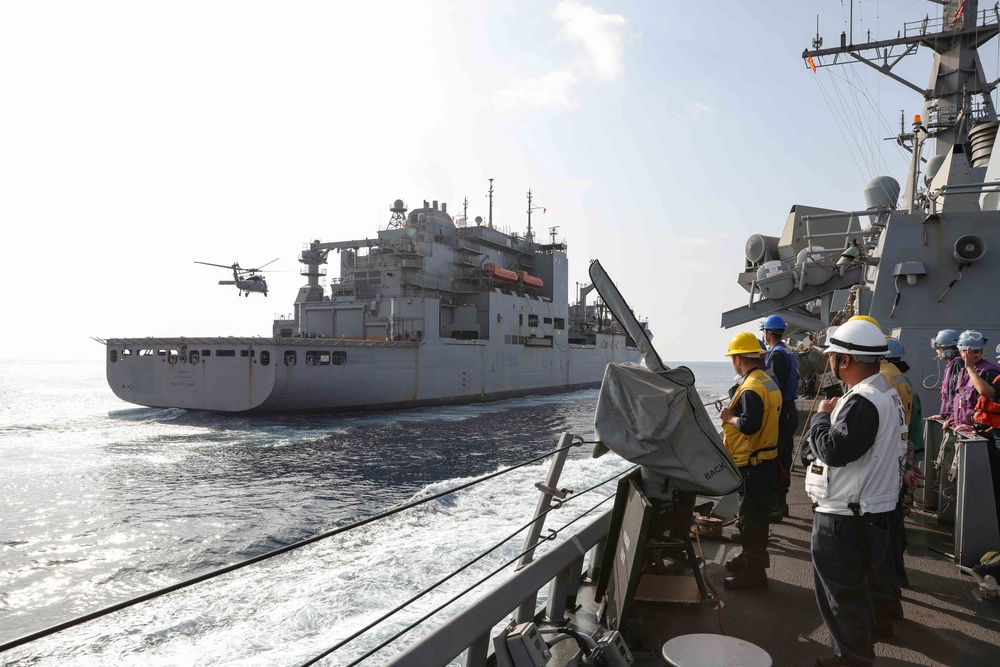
<point>428,312</point>
<point>375,375</point>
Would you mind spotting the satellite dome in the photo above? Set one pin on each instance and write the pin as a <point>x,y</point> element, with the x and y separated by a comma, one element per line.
<point>881,191</point>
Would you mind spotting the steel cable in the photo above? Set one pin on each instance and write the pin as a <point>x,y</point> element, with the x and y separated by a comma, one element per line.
<point>552,535</point>
<point>270,554</point>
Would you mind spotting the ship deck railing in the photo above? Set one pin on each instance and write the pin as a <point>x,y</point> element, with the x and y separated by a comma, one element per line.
<point>260,340</point>
<point>469,632</point>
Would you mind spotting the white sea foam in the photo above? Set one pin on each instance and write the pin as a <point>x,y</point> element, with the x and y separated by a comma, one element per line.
<point>105,504</point>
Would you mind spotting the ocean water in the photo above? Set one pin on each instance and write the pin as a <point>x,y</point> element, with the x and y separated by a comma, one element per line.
<point>102,501</point>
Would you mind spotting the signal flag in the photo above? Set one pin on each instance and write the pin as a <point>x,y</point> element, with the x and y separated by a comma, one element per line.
<point>812,65</point>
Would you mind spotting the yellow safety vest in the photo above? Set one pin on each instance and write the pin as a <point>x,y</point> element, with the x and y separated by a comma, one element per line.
<point>762,445</point>
<point>902,387</point>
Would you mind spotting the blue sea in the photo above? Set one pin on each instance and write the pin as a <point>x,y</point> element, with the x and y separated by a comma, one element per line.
<point>103,501</point>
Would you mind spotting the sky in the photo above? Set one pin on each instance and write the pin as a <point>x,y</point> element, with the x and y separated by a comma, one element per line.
<point>137,138</point>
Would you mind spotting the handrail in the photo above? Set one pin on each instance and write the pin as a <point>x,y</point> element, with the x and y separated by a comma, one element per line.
<point>453,637</point>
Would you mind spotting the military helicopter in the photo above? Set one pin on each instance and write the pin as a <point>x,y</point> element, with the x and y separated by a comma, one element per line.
<point>246,280</point>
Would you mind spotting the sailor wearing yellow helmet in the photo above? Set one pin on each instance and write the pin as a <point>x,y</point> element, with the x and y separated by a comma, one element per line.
<point>859,444</point>
<point>750,434</point>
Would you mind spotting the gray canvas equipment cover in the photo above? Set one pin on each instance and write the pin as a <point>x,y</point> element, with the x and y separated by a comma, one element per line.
<point>653,416</point>
<point>658,421</point>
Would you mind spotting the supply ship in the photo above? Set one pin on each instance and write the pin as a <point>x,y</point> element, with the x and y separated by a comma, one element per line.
<point>429,311</point>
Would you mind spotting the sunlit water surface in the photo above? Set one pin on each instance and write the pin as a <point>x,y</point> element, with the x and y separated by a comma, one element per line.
<point>103,501</point>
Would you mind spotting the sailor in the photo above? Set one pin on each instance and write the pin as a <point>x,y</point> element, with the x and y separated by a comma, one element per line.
<point>782,363</point>
<point>986,419</point>
<point>974,378</point>
<point>854,482</point>
<point>750,434</point>
<point>894,369</point>
<point>945,345</point>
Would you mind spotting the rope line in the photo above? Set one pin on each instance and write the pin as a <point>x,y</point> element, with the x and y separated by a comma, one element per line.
<point>270,554</point>
<point>433,586</point>
<point>423,618</point>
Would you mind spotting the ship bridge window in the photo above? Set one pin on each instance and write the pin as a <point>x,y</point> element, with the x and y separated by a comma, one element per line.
<point>194,357</point>
<point>290,357</point>
<point>225,353</point>
<point>114,356</point>
<point>547,320</point>
<point>339,358</point>
<point>559,323</point>
<point>532,320</point>
<point>145,353</point>
<point>206,353</point>
<point>265,358</point>
<point>317,358</point>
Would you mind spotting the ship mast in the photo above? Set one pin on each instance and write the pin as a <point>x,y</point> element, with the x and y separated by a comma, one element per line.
<point>491,203</point>
<point>958,95</point>
<point>529,237</point>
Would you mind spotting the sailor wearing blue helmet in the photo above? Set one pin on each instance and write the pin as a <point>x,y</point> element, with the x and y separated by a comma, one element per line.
<point>945,343</point>
<point>974,379</point>
<point>782,364</point>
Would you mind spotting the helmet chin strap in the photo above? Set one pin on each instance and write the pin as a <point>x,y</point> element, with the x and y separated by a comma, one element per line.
<point>836,366</point>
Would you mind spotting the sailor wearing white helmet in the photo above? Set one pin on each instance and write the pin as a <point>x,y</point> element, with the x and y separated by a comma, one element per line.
<point>859,444</point>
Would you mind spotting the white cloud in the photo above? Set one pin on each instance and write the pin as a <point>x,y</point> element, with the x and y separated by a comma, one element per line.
<point>601,37</point>
<point>698,110</point>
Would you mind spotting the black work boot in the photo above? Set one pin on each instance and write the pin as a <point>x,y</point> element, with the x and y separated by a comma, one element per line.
<point>778,510</point>
<point>747,579</point>
<point>736,564</point>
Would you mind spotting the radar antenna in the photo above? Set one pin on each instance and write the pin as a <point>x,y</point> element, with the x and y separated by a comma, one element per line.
<point>398,219</point>
<point>530,236</point>
<point>491,203</point>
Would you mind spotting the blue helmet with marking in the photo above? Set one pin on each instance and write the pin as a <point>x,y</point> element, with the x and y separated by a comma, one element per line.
<point>945,338</point>
<point>896,350</point>
<point>971,340</point>
<point>773,323</point>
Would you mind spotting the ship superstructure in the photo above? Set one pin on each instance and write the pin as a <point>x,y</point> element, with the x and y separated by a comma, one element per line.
<point>919,263</point>
<point>429,311</point>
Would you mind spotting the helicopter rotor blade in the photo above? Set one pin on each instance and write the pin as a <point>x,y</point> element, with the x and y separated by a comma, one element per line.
<point>221,266</point>
<point>263,265</point>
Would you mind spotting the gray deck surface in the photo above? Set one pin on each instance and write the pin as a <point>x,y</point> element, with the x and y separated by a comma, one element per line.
<point>944,625</point>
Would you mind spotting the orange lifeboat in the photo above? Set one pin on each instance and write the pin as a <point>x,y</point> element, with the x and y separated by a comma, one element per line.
<point>503,275</point>
<point>530,280</point>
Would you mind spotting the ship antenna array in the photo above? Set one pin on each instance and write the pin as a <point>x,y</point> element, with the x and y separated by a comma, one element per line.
<point>552,234</point>
<point>491,203</point>
<point>398,219</point>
